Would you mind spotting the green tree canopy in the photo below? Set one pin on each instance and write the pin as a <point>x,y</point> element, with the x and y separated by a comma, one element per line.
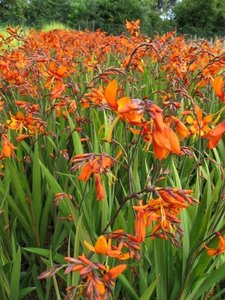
<point>13,11</point>
<point>195,17</point>
<point>200,17</point>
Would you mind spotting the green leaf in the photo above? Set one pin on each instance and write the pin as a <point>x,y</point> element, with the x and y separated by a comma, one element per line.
<point>36,186</point>
<point>24,292</point>
<point>147,294</point>
<point>58,258</point>
<point>15,277</point>
<point>128,287</point>
<point>210,281</point>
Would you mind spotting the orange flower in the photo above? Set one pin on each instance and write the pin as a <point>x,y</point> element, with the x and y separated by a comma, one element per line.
<point>220,249</point>
<point>16,122</point>
<point>100,192</point>
<point>86,171</point>
<point>181,129</point>
<point>218,86</point>
<point>96,164</point>
<point>164,138</point>
<point>163,211</point>
<point>55,73</point>
<point>96,96</point>
<point>59,88</point>
<point>114,272</point>
<point>27,122</point>
<point>130,110</point>
<point>133,27</point>
<point>199,124</point>
<point>103,246</point>
<point>1,105</point>
<point>215,135</point>
<point>7,148</point>
<point>110,94</point>
<point>140,222</point>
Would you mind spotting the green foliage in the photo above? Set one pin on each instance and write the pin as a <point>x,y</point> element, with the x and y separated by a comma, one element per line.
<point>43,12</point>
<point>13,11</point>
<point>199,17</point>
<point>106,15</point>
<point>110,15</point>
<point>196,17</point>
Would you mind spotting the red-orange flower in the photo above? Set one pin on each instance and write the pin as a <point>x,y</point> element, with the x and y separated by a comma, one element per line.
<point>7,148</point>
<point>163,213</point>
<point>98,279</point>
<point>100,191</point>
<point>140,222</point>
<point>199,123</point>
<point>164,138</point>
<point>220,249</point>
<point>133,27</point>
<point>181,129</point>
<point>96,165</point>
<point>25,122</point>
<point>103,246</point>
<point>215,135</point>
<point>218,86</point>
<point>114,273</point>
<point>130,110</point>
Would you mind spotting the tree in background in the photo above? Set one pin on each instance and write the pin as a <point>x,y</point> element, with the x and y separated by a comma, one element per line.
<point>80,13</point>
<point>196,17</point>
<point>13,12</point>
<point>107,15</point>
<point>41,12</point>
<point>200,17</point>
<point>111,15</point>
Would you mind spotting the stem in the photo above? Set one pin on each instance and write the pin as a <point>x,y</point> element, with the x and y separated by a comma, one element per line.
<point>147,189</point>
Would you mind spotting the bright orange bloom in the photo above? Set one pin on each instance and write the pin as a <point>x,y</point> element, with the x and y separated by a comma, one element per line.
<point>25,122</point>
<point>87,170</point>
<point>58,89</point>
<point>164,138</point>
<point>97,97</point>
<point>111,94</point>
<point>96,164</point>
<point>140,222</point>
<point>120,241</point>
<point>21,137</point>
<point>218,86</point>
<point>220,249</point>
<point>104,247</point>
<point>133,27</point>
<point>163,213</point>
<point>114,272</point>
<point>199,124</point>
<point>1,105</point>
<point>215,135</point>
<point>130,110</point>
<point>99,280</point>
<point>55,73</point>
<point>7,148</point>
<point>181,129</point>
<point>55,79</point>
<point>19,122</point>
<point>100,191</point>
